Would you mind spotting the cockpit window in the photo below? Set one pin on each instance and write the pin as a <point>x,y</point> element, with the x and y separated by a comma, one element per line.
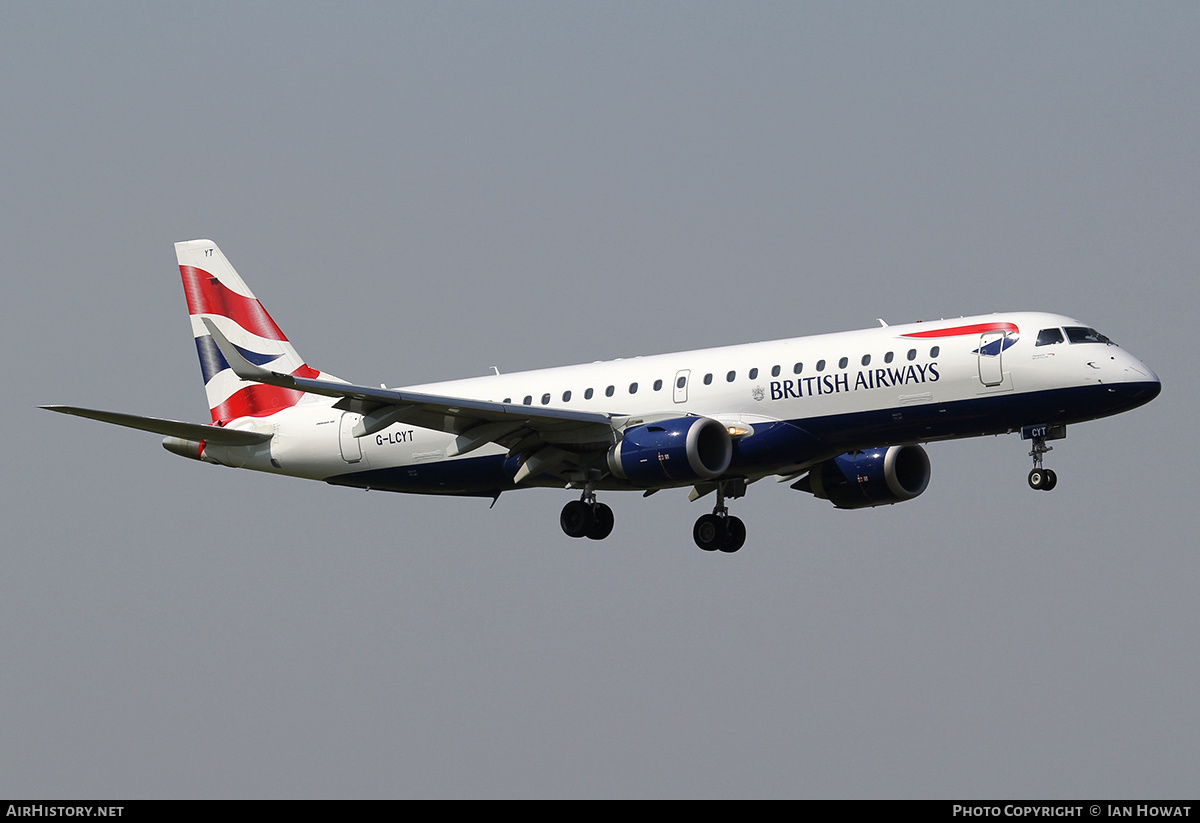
<point>1079,334</point>
<point>1048,337</point>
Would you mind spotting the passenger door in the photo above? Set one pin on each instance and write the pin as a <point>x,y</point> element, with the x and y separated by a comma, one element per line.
<point>991,352</point>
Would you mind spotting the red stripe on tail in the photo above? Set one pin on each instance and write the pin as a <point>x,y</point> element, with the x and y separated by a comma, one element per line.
<point>207,295</point>
<point>259,400</point>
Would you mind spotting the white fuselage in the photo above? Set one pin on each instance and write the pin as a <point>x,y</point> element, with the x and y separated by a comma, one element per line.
<point>817,396</point>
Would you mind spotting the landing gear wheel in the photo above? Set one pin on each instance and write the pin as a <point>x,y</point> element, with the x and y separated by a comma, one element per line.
<point>600,524</point>
<point>735,535</point>
<point>709,532</point>
<point>575,519</point>
<point>720,531</point>
<point>582,518</point>
<point>1043,479</point>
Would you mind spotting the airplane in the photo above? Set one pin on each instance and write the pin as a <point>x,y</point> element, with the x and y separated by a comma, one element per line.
<point>840,416</point>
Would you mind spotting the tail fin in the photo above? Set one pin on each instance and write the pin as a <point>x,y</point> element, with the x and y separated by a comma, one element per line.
<point>215,291</point>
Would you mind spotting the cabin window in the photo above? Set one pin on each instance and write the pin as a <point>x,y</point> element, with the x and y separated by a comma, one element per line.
<point>866,361</point>
<point>587,394</point>
<point>658,385</point>
<point>754,374</point>
<point>609,391</point>
<point>887,358</point>
<point>528,399</point>
<point>506,400</point>
<point>633,388</point>
<point>708,379</point>
<point>729,378</point>
<point>935,351</point>
<point>820,365</point>
<point>774,371</point>
<point>546,399</point>
<point>681,382</point>
<point>567,396</point>
<point>796,369</point>
<point>1048,337</point>
<point>912,354</point>
<point>845,361</point>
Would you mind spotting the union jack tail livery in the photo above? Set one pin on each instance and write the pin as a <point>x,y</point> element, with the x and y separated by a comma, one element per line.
<point>216,292</point>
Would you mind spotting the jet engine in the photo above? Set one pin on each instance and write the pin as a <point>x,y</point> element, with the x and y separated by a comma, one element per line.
<point>669,452</point>
<point>872,477</point>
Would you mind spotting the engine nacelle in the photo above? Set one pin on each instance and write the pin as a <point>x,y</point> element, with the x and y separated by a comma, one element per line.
<point>674,451</point>
<point>873,477</point>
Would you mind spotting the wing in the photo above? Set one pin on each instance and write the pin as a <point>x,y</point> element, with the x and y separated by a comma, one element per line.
<point>549,438</point>
<point>171,428</point>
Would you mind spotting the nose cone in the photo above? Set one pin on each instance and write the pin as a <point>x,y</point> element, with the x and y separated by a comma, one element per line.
<point>1142,383</point>
<point>1153,387</point>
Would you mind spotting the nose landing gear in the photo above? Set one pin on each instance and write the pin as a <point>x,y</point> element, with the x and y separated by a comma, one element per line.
<point>1040,478</point>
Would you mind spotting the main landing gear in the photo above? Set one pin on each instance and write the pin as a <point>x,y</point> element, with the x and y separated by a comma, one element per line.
<point>719,531</point>
<point>586,518</point>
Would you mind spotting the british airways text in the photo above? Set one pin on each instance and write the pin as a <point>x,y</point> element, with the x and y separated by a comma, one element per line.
<point>864,379</point>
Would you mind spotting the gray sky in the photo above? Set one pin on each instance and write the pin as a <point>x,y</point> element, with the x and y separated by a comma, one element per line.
<point>420,191</point>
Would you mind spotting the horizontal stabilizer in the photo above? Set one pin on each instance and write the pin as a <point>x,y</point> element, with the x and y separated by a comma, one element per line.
<point>171,428</point>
